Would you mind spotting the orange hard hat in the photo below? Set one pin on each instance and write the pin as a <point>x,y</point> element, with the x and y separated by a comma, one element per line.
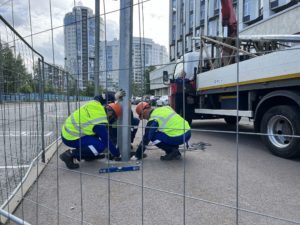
<point>140,108</point>
<point>116,108</point>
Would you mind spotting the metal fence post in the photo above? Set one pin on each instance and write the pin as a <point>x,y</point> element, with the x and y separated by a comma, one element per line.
<point>97,36</point>
<point>125,73</point>
<point>41,90</point>
<point>68,96</point>
<point>1,76</point>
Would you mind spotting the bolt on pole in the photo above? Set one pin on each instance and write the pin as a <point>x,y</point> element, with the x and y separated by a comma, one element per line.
<point>125,76</point>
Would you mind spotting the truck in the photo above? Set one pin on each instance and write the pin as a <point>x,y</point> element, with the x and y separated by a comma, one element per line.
<point>254,76</point>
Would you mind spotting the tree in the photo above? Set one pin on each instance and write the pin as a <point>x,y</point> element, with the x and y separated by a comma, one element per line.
<point>139,89</point>
<point>147,80</point>
<point>89,89</point>
<point>15,76</point>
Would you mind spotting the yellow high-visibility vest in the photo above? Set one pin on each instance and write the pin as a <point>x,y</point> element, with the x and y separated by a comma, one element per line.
<point>169,122</point>
<point>83,120</point>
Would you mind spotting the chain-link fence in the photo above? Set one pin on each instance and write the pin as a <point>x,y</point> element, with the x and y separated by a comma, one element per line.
<point>239,96</point>
<point>35,99</point>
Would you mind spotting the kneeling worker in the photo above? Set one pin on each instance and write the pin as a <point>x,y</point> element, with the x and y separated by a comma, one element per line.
<point>165,128</point>
<point>86,131</point>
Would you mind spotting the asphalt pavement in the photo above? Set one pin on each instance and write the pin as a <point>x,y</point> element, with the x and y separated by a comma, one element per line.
<point>206,187</point>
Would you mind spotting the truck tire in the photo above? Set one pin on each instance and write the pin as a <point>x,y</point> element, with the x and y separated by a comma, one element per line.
<point>282,119</point>
<point>231,120</point>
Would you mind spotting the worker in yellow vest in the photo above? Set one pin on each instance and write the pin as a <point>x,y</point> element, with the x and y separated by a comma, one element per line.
<point>165,128</point>
<point>86,131</point>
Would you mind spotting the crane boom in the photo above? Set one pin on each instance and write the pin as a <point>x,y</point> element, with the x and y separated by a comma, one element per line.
<point>229,17</point>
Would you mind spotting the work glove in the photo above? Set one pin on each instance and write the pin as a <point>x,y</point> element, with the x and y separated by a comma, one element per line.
<point>139,154</point>
<point>120,94</point>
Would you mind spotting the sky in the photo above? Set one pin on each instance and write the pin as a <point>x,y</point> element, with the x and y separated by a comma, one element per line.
<point>155,21</point>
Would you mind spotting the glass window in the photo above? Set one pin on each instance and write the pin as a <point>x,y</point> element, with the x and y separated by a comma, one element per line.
<point>247,7</point>
<point>202,10</point>
<point>261,7</point>
<point>213,8</point>
<point>191,21</point>
<point>174,19</point>
<point>172,52</point>
<point>173,33</point>
<point>188,43</point>
<point>199,31</point>
<point>216,4</point>
<point>213,28</point>
<point>179,48</point>
<point>191,5</point>
<point>174,5</point>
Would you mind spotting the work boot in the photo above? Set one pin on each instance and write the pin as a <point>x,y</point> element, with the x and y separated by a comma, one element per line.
<point>172,155</point>
<point>99,156</point>
<point>68,160</point>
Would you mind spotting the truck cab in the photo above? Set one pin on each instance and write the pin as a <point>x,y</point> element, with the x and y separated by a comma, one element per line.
<point>183,85</point>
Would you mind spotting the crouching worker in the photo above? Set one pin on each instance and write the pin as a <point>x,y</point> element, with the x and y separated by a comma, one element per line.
<point>109,97</point>
<point>86,131</point>
<point>165,128</point>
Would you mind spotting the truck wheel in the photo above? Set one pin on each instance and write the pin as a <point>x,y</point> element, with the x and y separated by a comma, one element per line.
<point>281,120</point>
<point>231,120</point>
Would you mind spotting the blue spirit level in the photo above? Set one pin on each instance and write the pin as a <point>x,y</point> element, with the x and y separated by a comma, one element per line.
<point>113,169</point>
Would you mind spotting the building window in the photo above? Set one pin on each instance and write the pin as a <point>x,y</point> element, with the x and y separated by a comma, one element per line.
<point>214,8</point>
<point>252,11</point>
<point>174,5</point>
<point>246,8</point>
<point>191,22</point>
<point>173,33</point>
<point>278,5</point>
<point>188,43</point>
<point>174,18</point>
<point>172,52</point>
<point>261,7</point>
<point>179,49</point>
<point>199,32</point>
<point>191,5</point>
<point>202,10</point>
<point>213,28</point>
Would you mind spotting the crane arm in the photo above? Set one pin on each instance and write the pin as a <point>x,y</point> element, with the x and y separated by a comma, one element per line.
<point>229,17</point>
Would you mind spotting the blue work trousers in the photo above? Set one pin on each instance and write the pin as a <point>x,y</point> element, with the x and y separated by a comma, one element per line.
<point>168,144</point>
<point>86,147</point>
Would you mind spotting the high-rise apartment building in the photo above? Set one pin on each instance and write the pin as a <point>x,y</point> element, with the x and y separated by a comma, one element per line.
<point>79,42</point>
<point>192,18</point>
<point>145,52</point>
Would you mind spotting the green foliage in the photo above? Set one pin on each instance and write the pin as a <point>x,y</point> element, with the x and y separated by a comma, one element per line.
<point>90,90</point>
<point>141,90</point>
<point>15,76</point>
<point>49,89</point>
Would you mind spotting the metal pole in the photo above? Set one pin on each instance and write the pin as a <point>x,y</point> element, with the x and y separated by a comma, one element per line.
<point>97,37</point>
<point>41,85</point>
<point>68,94</point>
<point>13,218</point>
<point>1,75</point>
<point>125,73</point>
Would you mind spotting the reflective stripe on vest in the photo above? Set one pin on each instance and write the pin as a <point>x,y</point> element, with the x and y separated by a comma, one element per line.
<point>82,121</point>
<point>164,120</point>
<point>83,125</point>
<point>169,122</point>
<point>77,132</point>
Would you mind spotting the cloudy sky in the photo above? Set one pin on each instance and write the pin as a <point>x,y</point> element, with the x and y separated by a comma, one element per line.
<point>156,21</point>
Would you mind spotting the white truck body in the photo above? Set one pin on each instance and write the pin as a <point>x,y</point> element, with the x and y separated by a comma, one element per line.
<point>268,81</point>
<point>275,66</point>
